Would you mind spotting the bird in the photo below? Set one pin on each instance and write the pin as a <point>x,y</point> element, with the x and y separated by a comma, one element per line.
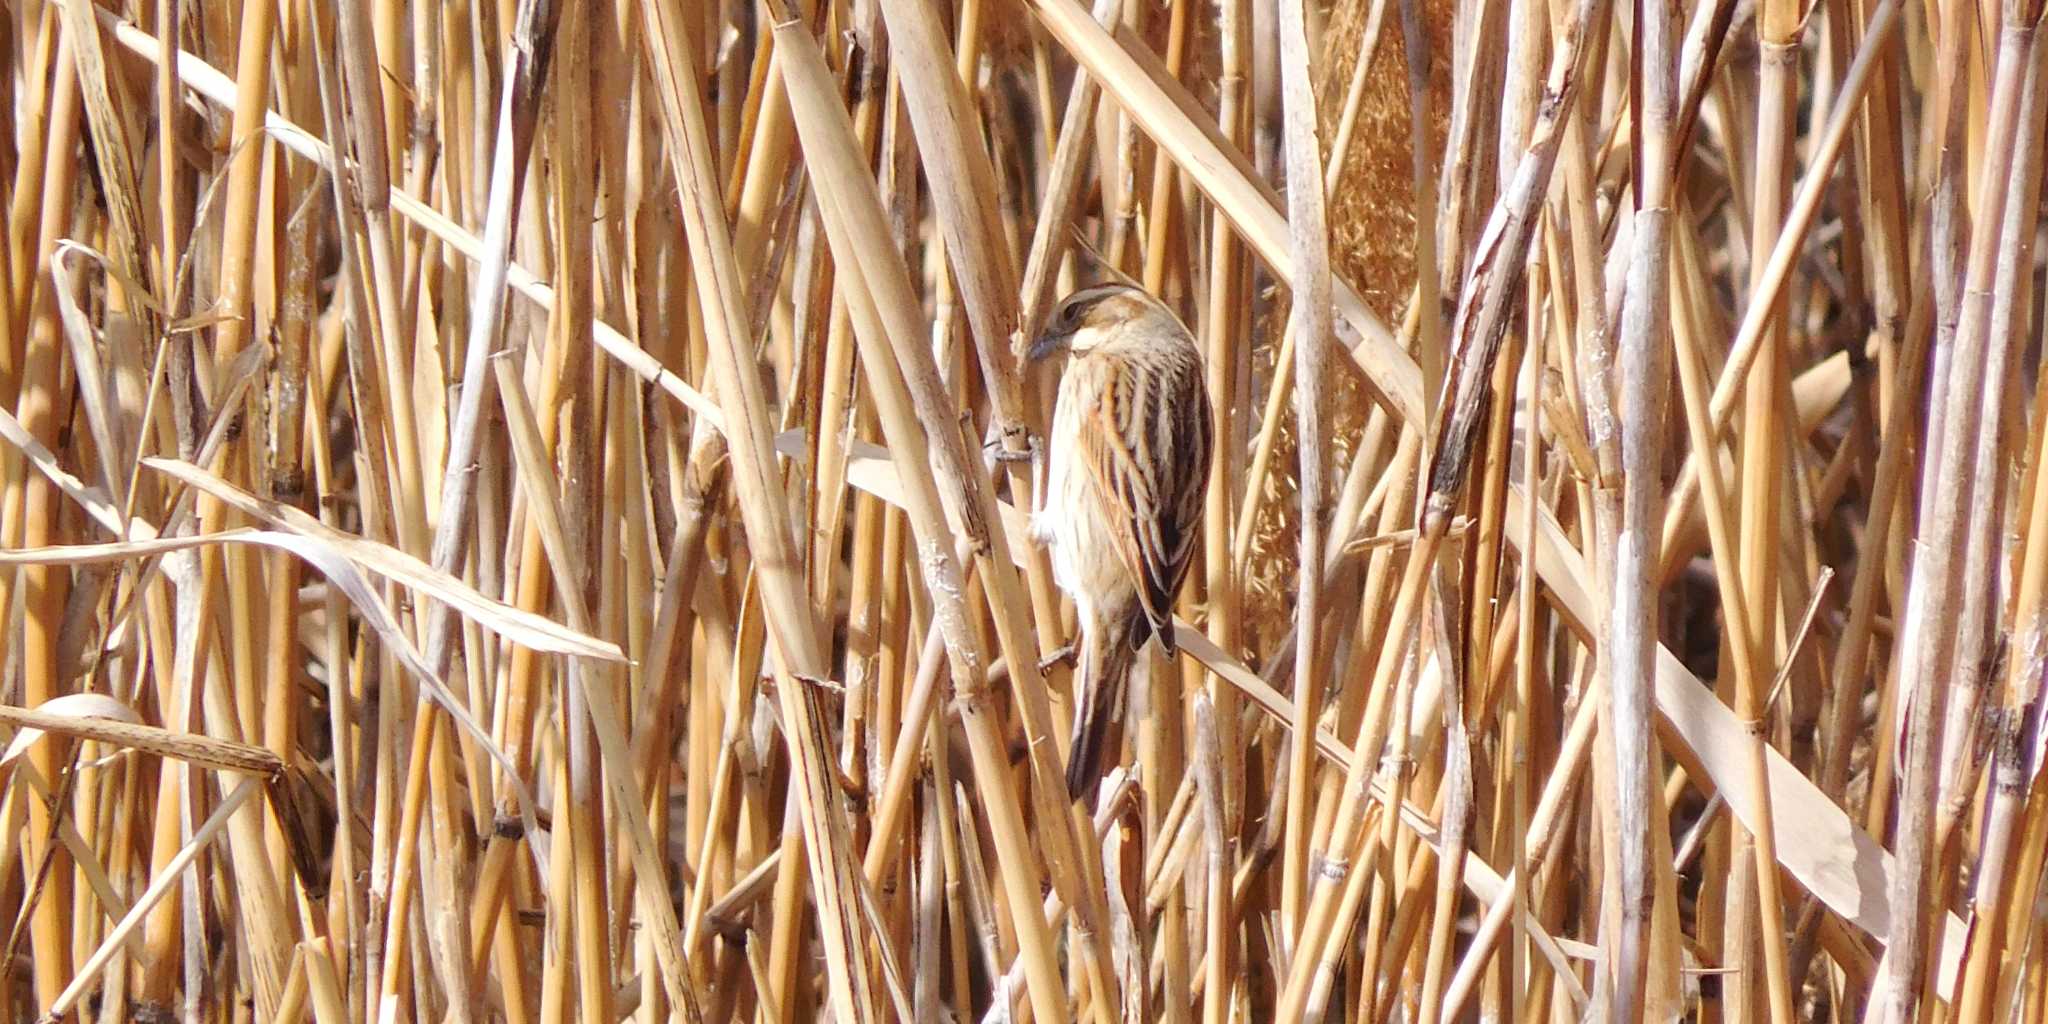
<point>1127,464</point>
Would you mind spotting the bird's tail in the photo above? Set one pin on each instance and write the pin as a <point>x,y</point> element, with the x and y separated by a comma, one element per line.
<point>1100,682</point>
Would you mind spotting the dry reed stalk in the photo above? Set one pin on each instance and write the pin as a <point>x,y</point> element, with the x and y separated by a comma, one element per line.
<point>1980,980</point>
<point>1224,320</point>
<point>1642,377</point>
<point>26,516</point>
<point>1310,319</point>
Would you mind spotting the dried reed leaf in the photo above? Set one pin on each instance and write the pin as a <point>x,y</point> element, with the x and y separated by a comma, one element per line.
<point>1817,843</point>
<point>91,716</point>
<point>299,532</point>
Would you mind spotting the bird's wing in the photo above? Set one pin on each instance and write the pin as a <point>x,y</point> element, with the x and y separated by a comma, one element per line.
<point>1148,450</point>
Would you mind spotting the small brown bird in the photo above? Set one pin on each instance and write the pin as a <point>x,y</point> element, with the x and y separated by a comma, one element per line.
<point>1128,463</point>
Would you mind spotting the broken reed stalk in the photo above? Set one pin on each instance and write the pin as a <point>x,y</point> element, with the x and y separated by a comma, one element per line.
<point>733,594</point>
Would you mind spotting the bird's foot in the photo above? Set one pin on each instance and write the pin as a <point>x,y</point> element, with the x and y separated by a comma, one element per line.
<point>1033,447</point>
<point>1066,655</point>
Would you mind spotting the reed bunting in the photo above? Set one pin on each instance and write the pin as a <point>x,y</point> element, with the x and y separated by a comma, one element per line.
<point>1128,459</point>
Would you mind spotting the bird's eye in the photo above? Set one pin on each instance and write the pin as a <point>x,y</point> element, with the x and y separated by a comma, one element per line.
<point>1070,315</point>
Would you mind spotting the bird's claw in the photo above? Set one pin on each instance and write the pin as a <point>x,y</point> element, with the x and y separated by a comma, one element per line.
<point>1029,453</point>
<point>1064,655</point>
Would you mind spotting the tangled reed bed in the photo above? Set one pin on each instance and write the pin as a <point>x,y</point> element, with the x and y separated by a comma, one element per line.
<point>502,518</point>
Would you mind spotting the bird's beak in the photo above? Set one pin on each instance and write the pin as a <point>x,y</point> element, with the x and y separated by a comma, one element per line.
<point>1048,343</point>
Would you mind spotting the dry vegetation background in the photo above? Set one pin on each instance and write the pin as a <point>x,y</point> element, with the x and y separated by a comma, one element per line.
<point>502,521</point>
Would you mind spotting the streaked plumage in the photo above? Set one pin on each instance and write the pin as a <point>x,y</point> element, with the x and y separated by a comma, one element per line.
<point>1128,462</point>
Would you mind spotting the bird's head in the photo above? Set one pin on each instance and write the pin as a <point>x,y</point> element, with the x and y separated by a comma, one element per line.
<point>1094,316</point>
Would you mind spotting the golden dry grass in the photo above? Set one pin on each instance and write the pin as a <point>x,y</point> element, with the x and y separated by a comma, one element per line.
<point>501,516</point>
